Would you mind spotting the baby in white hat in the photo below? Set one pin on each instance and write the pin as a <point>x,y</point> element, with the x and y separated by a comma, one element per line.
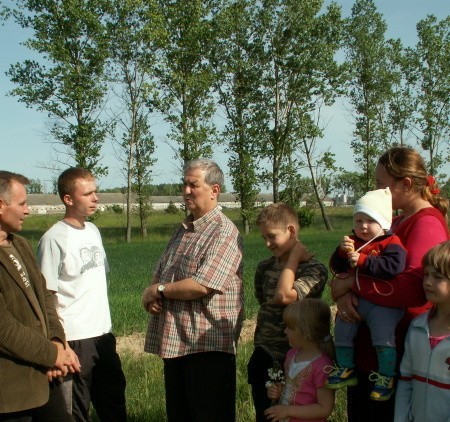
<point>373,251</point>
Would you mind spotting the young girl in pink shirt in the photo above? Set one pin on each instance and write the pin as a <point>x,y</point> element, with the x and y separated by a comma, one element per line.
<point>303,397</point>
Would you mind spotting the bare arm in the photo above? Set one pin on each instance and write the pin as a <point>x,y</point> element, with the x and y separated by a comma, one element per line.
<point>186,289</point>
<point>320,410</point>
<point>285,292</point>
<point>345,299</point>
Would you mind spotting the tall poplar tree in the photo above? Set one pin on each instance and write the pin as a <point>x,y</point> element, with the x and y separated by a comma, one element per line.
<point>403,102</point>
<point>67,83</point>
<point>320,164</point>
<point>432,59</point>
<point>370,84</point>
<point>133,28</point>
<point>236,81</point>
<point>296,46</point>
<point>185,76</point>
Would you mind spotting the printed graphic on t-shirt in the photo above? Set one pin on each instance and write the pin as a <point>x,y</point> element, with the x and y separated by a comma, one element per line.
<point>92,257</point>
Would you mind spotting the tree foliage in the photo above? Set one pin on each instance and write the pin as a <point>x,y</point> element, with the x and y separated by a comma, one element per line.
<point>133,28</point>
<point>267,66</point>
<point>185,77</point>
<point>67,83</point>
<point>432,61</point>
<point>295,46</point>
<point>402,102</point>
<point>236,81</point>
<point>35,186</point>
<point>349,183</point>
<point>369,84</point>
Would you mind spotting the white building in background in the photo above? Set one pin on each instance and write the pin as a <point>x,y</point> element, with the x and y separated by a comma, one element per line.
<point>342,199</point>
<point>51,204</point>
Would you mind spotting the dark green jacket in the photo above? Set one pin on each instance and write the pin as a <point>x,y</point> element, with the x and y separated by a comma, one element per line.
<point>25,351</point>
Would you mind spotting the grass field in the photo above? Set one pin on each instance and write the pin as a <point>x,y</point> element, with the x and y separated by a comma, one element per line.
<point>131,266</point>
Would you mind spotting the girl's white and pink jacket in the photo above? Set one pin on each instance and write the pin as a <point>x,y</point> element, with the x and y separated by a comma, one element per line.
<point>423,391</point>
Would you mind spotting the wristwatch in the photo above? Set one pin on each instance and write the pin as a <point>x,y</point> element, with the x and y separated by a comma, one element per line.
<point>161,289</point>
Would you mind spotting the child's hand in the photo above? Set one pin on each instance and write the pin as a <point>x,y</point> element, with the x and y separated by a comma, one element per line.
<point>300,252</point>
<point>274,391</point>
<point>276,413</point>
<point>353,258</point>
<point>347,244</point>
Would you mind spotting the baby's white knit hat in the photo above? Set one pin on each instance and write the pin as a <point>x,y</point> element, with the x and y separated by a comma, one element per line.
<point>378,205</point>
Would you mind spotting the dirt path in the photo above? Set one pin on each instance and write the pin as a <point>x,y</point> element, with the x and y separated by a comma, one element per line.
<point>134,343</point>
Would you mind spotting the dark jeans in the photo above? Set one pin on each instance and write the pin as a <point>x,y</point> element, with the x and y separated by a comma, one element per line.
<point>101,380</point>
<point>53,411</point>
<point>201,387</point>
<point>257,370</point>
<point>361,408</point>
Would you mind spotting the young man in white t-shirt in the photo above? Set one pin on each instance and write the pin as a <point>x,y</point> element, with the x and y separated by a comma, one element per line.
<point>73,261</point>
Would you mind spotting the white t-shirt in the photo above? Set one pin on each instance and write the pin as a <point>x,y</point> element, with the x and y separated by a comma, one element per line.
<point>74,264</point>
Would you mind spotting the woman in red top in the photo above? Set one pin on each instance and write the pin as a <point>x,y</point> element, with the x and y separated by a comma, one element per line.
<point>421,225</point>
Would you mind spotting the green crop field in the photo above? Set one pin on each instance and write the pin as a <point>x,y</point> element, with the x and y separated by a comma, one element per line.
<point>131,266</point>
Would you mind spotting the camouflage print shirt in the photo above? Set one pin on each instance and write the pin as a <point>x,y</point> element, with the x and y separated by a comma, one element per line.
<point>311,278</point>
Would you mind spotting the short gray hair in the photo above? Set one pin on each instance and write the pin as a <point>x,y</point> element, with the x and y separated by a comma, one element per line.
<point>213,173</point>
<point>6,179</point>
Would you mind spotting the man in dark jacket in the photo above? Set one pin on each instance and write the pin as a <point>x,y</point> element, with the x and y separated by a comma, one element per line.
<point>32,340</point>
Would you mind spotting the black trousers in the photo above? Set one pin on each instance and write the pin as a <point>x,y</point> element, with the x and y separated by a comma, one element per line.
<point>101,380</point>
<point>257,373</point>
<point>201,387</point>
<point>53,411</point>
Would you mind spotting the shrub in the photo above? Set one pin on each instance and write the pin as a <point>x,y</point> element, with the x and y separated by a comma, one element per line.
<point>117,209</point>
<point>305,216</point>
<point>92,218</point>
<point>172,208</point>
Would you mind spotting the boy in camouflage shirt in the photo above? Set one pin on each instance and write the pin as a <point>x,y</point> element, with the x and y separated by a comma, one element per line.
<point>290,274</point>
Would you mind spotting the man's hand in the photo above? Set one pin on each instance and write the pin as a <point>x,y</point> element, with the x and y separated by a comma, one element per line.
<point>75,366</point>
<point>151,300</point>
<point>63,361</point>
<point>53,374</point>
<point>155,307</point>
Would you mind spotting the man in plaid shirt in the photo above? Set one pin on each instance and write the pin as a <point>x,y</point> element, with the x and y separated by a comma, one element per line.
<point>196,304</point>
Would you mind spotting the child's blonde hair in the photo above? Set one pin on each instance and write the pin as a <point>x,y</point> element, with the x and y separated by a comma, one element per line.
<point>279,214</point>
<point>312,318</point>
<point>439,258</point>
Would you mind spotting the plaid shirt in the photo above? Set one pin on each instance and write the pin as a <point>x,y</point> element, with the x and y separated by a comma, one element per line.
<point>208,250</point>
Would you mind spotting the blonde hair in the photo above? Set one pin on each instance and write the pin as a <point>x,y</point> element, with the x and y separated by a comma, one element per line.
<point>401,162</point>
<point>279,214</point>
<point>312,318</point>
<point>439,258</point>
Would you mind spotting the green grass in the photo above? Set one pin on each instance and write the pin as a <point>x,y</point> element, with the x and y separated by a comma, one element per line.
<point>131,266</point>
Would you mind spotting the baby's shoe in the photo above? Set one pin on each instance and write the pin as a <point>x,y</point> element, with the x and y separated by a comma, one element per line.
<point>383,388</point>
<point>340,377</point>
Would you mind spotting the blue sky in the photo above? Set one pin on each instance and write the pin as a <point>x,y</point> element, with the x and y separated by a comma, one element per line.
<point>26,148</point>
